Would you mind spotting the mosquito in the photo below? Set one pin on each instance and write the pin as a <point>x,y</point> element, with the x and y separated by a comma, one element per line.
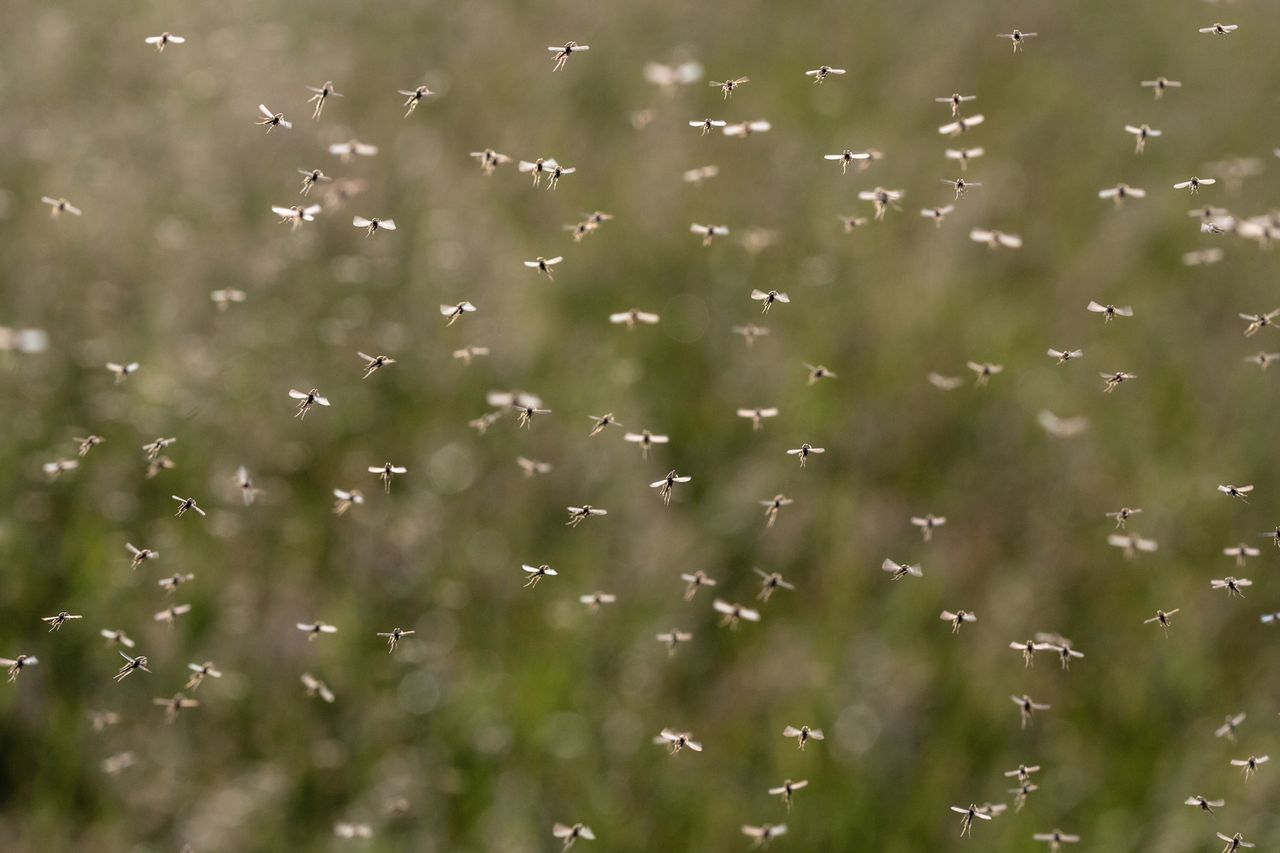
<point>937,214</point>
<point>527,411</point>
<point>995,239</point>
<point>846,157</point>
<point>171,583</point>
<point>374,224</point>
<point>563,52</point>
<point>131,665</point>
<point>1029,649</point>
<point>732,614</point>
<point>453,312</point>
<point>490,160</point>
<point>163,40</point>
<point>307,399</point>
<point>700,174</point>
<point>966,822</point>
<point>1273,535</point>
<point>352,148</point>
<point>1063,356</point>
<point>1194,184</point>
<point>415,97</point>
<point>1236,491</point>
<point>632,317</point>
<point>1123,514</point>
<point>556,173</point>
<point>957,619</point>
<point>804,451</point>
<point>466,354</point>
<point>578,514</point>
<point>822,72</point>
<point>185,504</point>
<point>1250,764</point>
<point>1201,257</point>
<point>122,371</point>
<point>272,120</point>
<point>537,573</point>
<point>666,485</point>
<point>964,155</point>
<point>694,582</point>
<point>89,442</point>
<point>1026,707</point>
<point>1131,544</point>
<point>770,582</point>
<point>544,265</point>
<point>1240,552</point>
<point>1162,618</point>
<point>170,614</point>
<point>570,834</point>
<point>1234,842</point>
<point>199,672</point>
<point>1204,804</point>
<point>1055,839</point>
<point>758,416</point>
<point>16,665</point>
<point>295,215</point>
<point>320,96</point>
<point>767,299</point>
<point>116,638</point>
<point>172,707</point>
<point>386,472</point>
<point>764,833</point>
<point>1020,793</point>
<point>1228,728</point>
<point>961,125</point>
<point>803,735</point>
<point>898,571</point>
<point>1065,653</point>
<point>773,506</point>
<point>595,599</point>
<point>345,500</point>
<point>316,687</point>
<point>224,297</point>
<point>984,371</point>
<point>1120,192</point>
<point>1258,321</point>
<point>538,167</point>
<point>1112,381</point>
<point>709,232</point>
<point>600,422</point>
<point>1141,133</point>
<point>672,638</point>
<point>315,629</point>
<point>152,449</point>
<point>676,741</point>
<point>882,200</point>
<point>394,636</point>
<point>1160,84</point>
<point>1220,29</point>
<point>1232,585</point>
<point>56,622</point>
<point>728,86</point>
<point>927,524</point>
<point>532,467</point>
<point>1018,37</point>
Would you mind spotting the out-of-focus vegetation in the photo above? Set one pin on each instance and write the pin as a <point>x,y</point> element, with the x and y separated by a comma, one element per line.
<point>514,708</point>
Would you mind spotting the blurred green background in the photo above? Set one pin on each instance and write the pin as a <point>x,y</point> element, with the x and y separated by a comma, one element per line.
<point>511,708</point>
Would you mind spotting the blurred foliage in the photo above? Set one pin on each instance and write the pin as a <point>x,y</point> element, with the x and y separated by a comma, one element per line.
<point>513,708</point>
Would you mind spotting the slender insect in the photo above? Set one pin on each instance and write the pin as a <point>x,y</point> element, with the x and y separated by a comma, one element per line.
<point>122,371</point>
<point>563,52</point>
<point>1160,84</point>
<point>804,451</point>
<point>818,372</point>
<point>969,813</point>
<point>570,834</point>
<point>295,215</point>
<point>1250,765</point>
<point>131,665</point>
<point>116,638</point>
<point>538,167</point>
<point>667,484</point>
<point>927,524</point>
<point>56,468</point>
<point>1027,707</point>
<point>374,224</point>
<point>770,582</point>
<point>995,239</point>
<point>1258,321</point>
<point>199,672</point>
<point>342,829</point>
<point>767,299</point>
<point>632,317</point>
<point>544,265</point>
<point>578,514</point>
<point>1131,543</point>
<point>964,155</point>
<point>676,741</point>
<point>773,506</point>
<point>386,473</point>
<point>954,101</point>
<point>944,383</point>
<point>1018,37</point>
<point>694,582</point>
<point>709,232</point>
<point>1204,804</point>
<point>1228,729</point>
<point>532,467</point>
<point>490,160</point>
<point>1194,184</point>
<point>1029,649</point>
<point>957,619</point>
<point>466,354</point>
<point>272,120</point>
<point>58,206</point>
<point>937,214</point>
<point>1065,355</point>
<point>1112,381</point>
<point>1273,535</point>
<point>373,363</point>
<point>315,629</point>
<point>164,40</point>
<point>170,584</point>
<point>1141,134</point>
<point>764,833</point>
<point>1162,619</point>
<point>56,622</point>
<point>984,371</point>
<point>595,599</point>
<point>152,449</point>
<point>1201,257</point>
<point>706,125</point>
<point>556,172</point>
<point>673,638</point>
<point>1055,839</point>
<point>898,571</point>
<point>526,412</point>
<point>174,706</point>
<point>751,331</point>
<point>89,442</point>
<point>1232,585</point>
<point>1220,29</point>
<point>1240,552</point>
<point>1236,491</point>
<point>1021,793</point>
<point>394,636</point>
<point>846,157</point>
<point>822,72</point>
<point>882,199</point>
<point>1123,514</point>
<point>746,128</point>
<point>728,86</point>
<point>185,504</point>
<point>344,500</point>
<point>1120,192</point>
<point>16,665</point>
<point>803,735</point>
<point>306,400</point>
<point>1234,842</point>
<point>787,791</point>
<point>316,687</point>
<point>537,573</point>
<point>320,96</point>
<point>961,125</point>
<point>170,614</point>
<point>414,97</point>
<point>758,416</point>
<point>600,422</point>
<point>352,148</point>
<point>852,222</point>
<point>732,614</point>
<point>1065,652</point>
<point>453,312</point>
<point>1023,772</point>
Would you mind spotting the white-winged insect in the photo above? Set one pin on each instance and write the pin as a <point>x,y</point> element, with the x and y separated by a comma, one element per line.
<point>320,96</point>
<point>58,206</point>
<point>773,506</point>
<point>374,224</point>
<point>768,298</point>
<point>700,174</point>
<point>964,155</point>
<point>944,383</point>
<point>675,741</point>
<point>170,584</point>
<point>185,504</point>
<point>707,124</point>
<point>563,52</point>
<point>537,573</point>
<point>728,86</point>
<point>556,172</point>
<point>199,672</point>
<point>175,705</point>
<point>343,829</point>
<point>1029,649</point>
<point>937,214</point>
<point>882,199</point>
<point>116,638</point>
<point>673,638</point>
<point>1240,552</point>
<point>1141,134</point>
<point>599,422</point>
<point>526,412</point>
<point>307,399</point>
<point>771,582</point>
<point>295,214</point>
<point>170,615</point>
<point>153,449</point>
<point>846,157</point>
<point>1236,491</point>
<point>667,484</point>
<point>928,523</point>
<point>1194,184</point>
<point>160,463</point>
<point>803,735</point>
<point>694,582</point>
<point>709,232</point>
<point>467,353</point>
<point>56,622</point>
<point>595,599</point>
<point>89,442</point>
<point>804,451</point>
<point>316,687</point>
<point>969,813</point>
<point>532,467</point>
<point>538,167</point>
<point>632,317</point>
<point>224,297</point>
<point>374,363</point>
<point>122,370</point>
<point>750,332</point>
<point>961,125</point>
<point>851,223</point>
<point>787,791</point>
<point>1062,646</point>
<point>1250,765</point>
<point>1234,842</point>
<point>994,238</point>
<point>352,148</point>
<point>1204,803</point>
<point>668,76</point>
<point>570,834</point>
<point>17,664</point>
<point>164,40</point>
<point>1060,427</point>
<point>1162,619</point>
<point>1230,726</point>
<point>957,619</point>
<point>1258,321</point>
<point>898,571</point>
<point>578,514</point>
<point>272,120</point>
<point>394,636</point>
<point>746,128</point>
<point>453,312</point>
<point>131,665</point>
<point>822,72</point>
<point>315,629</point>
<point>1112,381</point>
<point>544,265</point>
<point>1055,839</point>
<point>959,185</point>
<point>1160,84</point>
<point>386,472</point>
<point>344,500</point>
<point>1201,257</point>
<point>414,97</point>
<point>984,371</point>
<point>758,416</point>
<point>1027,707</point>
<point>1132,543</point>
<point>56,468</point>
<point>490,160</point>
<point>732,614</point>
<point>1018,37</point>
<point>1124,514</point>
<point>1120,192</point>
<point>1273,535</point>
<point>1065,355</point>
<point>1232,585</point>
<point>954,100</point>
<point>1025,788</point>
<point>113,765</point>
<point>1220,29</point>
<point>764,833</point>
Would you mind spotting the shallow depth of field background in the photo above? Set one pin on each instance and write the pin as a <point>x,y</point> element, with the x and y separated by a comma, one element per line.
<point>512,708</point>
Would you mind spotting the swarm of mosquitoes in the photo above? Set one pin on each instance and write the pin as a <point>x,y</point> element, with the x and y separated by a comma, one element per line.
<point>529,411</point>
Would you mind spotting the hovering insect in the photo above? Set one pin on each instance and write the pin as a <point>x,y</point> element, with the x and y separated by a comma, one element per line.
<point>490,160</point>
<point>570,834</point>
<point>1250,764</point>
<point>1018,37</point>
<point>170,614</point>
<point>102,719</point>
<point>1160,84</point>
<point>728,86</point>
<point>954,101</point>
<point>414,97</point>
<point>1131,544</point>
<point>1065,355</point>
<point>578,514</point>
<point>527,411</point>
<point>115,638</point>
<point>984,371</point>
<point>1029,649</point>
<point>152,449</point>
<point>453,312</point>
<point>56,622</point>
<point>1055,839</point>
<point>787,791</point>
<point>1273,535</point>
<point>767,299</point>
<point>1020,793</point>
<point>1232,585</point>
<point>345,500</point>
<point>694,582</point>
<point>852,222</point>
<point>803,734</point>
<point>131,666</point>
<point>316,687</point>
<point>544,265</point>
<point>1236,491</point>
<point>595,599</point>
<point>1162,618</point>
<point>315,629</point>
<point>937,214</point>
<point>386,472</point>
<point>1123,514</point>
<point>882,199</point>
<point>751,331</point>
<point>164,40</point>
<point>668,77</point>
<point>773,506</point>
<point>1201,257</point>
<point>1194,184</point>
<point>538,167</point>
<point>898,571</point>
<point>966,822</point>
<point>1120,192</point>
<point>1023,773</point>
<point>962,125</point>
<point>758,416</point>
<point>1026,707</point>
<point>58,206</point>
<point>1065,652</point>
<point>818,372</point>
<point>171,583</point>
<point>732,614</point>
<point>770,582</point>
<point>822,72</point>
<point>846,157</point>
<point>16,665</point>
<point>1240,552</point>
<point>1234,842</point>
<point>185,504</point>
<point>1204,804</point>
<point>373,363</point>
<point>466,354</point>
<point>672,638</point>
<point>676,741</point>
<point>563,52</point>
<point>172,707</point>
<point>224,297</point>
<point>295,215</point>
<point>1112,381</point>
<point>764,833</point>
<point>532,467</point>
<point>1220,29</point>
<point>394,636</point>
<point>1258,321</point>
<point>599,422</point>
<point>199,672</point>
<point>630,318</point>
<point>272,120</point>
<point>537,573</point>
<point>709,232</point>
<point>927,524</point>
<point>957,619</point>
<point>667,484</point>
<point>944,383</point>
<point>352,148</point>
<point>1141,133</point>
<point>89,442</point>
<point>374,224</point>
<point>804,451</point>
<point>307,399</point>
<point>995,239</point>
<point>122,371</point>
<point>343,829</point>
<point>320,96</point>
<point>1228,729</point>
<point>53,469</point>
<point>964,155</point>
